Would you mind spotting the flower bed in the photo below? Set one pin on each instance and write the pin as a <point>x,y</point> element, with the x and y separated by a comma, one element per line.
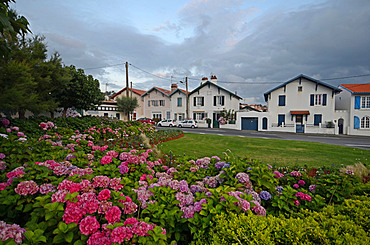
<point>63,183</point>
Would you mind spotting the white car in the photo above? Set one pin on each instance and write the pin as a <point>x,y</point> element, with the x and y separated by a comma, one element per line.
<point>188,123</point>
<point>167,123</point>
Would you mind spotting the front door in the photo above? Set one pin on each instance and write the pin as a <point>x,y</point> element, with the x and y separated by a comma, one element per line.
<point>216,123</point>
<point>340,125</point>
<point>299,124</point>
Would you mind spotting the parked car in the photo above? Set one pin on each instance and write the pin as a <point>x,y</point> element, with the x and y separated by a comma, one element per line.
<point>167,123</point>
<point>188,123</point>
<point>146,120</point>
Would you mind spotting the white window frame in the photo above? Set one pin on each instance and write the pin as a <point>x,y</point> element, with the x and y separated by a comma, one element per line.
<point>365,122</point>
<point>365,102</point>
<point>318,99</point>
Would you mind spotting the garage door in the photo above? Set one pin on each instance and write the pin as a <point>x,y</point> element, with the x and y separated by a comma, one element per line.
<point>250,123</point>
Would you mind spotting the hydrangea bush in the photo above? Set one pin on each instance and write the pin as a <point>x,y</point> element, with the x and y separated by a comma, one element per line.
<point>104,184</point>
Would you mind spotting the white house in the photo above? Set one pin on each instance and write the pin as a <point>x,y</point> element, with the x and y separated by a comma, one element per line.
<point>209,99</point>
<point>355,100</point>
<point>303,104</point>
<point>157,104</point>
<point>178,103</point>
<point>108,108</point>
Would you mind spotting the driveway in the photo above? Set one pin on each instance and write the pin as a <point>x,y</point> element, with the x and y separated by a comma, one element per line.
<point>362,142</point>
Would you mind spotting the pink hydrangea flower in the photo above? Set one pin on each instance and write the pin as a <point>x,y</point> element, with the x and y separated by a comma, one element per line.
<point>301,182</point>
<point>121,234</point>
<point>130,221</point>
<point>27,188</point>
<point>296,186</point>
<point>296,202</point>
<point>113,215</point>
<point>104,194</point>
<point>89,225</point>
<point>106,159</point>
<point>73,214</point>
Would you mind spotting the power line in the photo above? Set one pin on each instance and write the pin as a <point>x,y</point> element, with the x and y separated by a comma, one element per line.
<point>101,67</point>
<point>150,73</point>
<point>337,78</point>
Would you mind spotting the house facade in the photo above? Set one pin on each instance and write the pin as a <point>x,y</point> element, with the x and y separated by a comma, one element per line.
<point>303,105</point>
<point>157,103</point>
<point>178,103</point>
<point>108,108</point>
<point>134,93</point>
<point>355,100</point>
<point>209,99</point>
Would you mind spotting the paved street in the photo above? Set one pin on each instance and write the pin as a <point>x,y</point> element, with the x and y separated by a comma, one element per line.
<point>362,142</point>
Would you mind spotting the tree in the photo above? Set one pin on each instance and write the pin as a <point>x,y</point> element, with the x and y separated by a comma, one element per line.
<point>127,104</point>
<point>11,24</point>
<point>23,76</point>
<point>80,92</point>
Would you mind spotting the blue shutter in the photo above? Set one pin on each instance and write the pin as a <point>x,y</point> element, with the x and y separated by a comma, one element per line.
<point>357,102</point>
<point>357,123</point>
<point>317,119</point>
<point>324,99</point>
<point>214,100</point>
<point>281,119</point>
<point>312,99</point>
<point>281,100</point>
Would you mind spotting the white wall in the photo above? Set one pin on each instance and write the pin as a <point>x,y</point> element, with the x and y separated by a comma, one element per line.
<point>178,109</point>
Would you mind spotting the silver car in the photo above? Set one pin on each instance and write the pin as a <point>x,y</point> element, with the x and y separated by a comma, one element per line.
<point>187,123</point>
<point>167,123</point>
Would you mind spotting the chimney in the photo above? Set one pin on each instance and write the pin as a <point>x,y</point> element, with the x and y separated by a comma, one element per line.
<point>214,79</point>
<point>173,87</point>
<point>204,80</point>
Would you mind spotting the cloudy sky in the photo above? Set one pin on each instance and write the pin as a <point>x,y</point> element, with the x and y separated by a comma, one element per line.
<point>251,45</point>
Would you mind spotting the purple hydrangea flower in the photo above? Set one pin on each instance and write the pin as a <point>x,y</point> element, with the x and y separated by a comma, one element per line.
<point>265,195</point>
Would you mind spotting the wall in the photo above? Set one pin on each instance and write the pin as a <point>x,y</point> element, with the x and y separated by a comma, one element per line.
<point>178,109</point>
<point>154,94</point>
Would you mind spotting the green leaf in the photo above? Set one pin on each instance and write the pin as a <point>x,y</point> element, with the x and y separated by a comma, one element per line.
<point>69,237</point>
<point>78,242</point>
<point>63,227</point>
<point>28,235</point>
<point>58,239</point>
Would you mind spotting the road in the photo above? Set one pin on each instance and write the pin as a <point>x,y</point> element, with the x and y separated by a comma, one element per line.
<point>362,142</point>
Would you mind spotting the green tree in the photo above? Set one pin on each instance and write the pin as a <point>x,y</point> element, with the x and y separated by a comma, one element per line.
<point>11,24</point>
<point>81,91</point>
<point>24,76</point>
<point>127,104</point>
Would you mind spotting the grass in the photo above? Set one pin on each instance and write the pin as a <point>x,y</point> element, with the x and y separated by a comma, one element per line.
<point>272,151</point>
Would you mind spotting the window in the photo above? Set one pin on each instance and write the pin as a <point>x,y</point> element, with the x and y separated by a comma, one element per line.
<point>179,102</point>
<point>365,102</point>
<point>154,102</point>
<point>198,101</point>
<point>148,103</point>
<point>317,119</point>
<point>218,100</point>
<point>199,115</point>
<point>300,89</point>
<point>168,115</point>
<point>281,100</point>
<point>318,99</point>
<point>181,116</point>
<point>365,122</point>
<point>157,114</point>
<point>161,103</point>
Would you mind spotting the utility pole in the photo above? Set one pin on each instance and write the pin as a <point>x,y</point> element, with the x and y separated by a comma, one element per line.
<point>187,98</point>
<point>127,94</point>
<point>131,89</point>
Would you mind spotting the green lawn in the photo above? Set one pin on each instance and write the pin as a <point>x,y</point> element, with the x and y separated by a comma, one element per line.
<point>279,152</point>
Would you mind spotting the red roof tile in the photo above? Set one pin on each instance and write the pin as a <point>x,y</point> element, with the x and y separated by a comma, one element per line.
<point>299,112</point>
<point>357,88</point>
<point>136,91</point>
<point>164,90</point>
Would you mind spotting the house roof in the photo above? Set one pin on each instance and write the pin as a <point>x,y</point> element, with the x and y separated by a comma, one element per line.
<point>162,90</point>
<point>181,90</point>
<point>335,89</point>
<point>136,91</point>
<point>208,82</point>
<point>362,88</point>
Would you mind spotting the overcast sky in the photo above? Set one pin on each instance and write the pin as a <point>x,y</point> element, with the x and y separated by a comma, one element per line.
<point>251,46</point>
